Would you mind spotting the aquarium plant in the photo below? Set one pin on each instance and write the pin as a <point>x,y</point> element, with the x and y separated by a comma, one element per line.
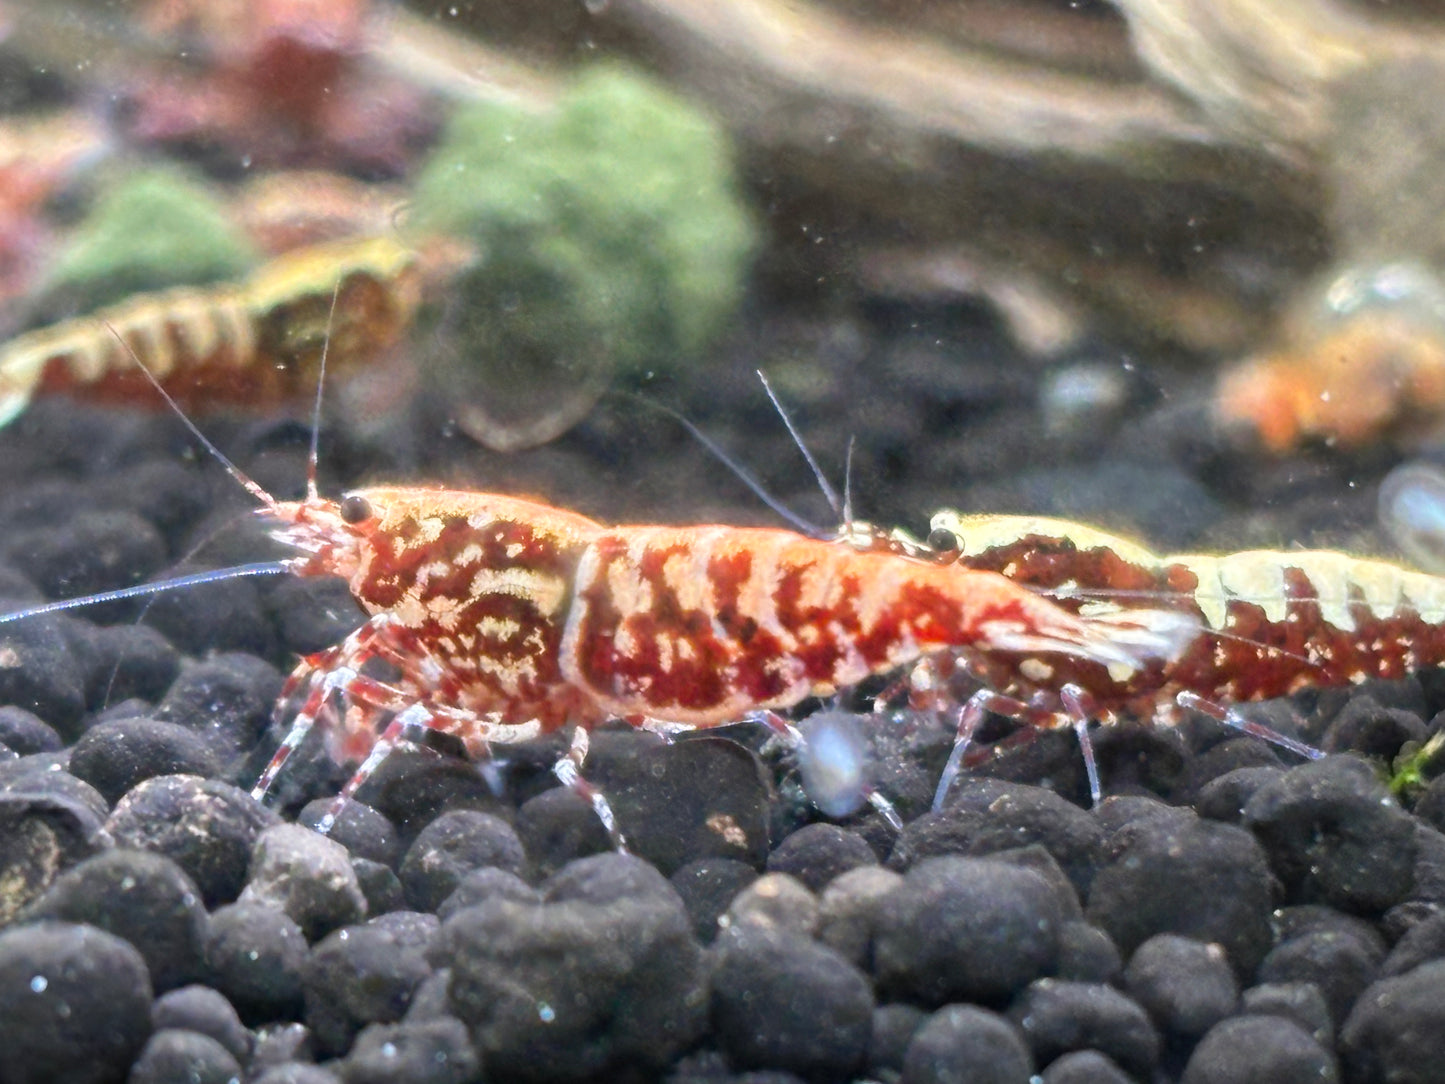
<point>607,231</point>
<point>149,229</point>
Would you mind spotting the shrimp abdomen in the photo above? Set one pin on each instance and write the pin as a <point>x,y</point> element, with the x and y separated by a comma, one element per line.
<point>700,625</point>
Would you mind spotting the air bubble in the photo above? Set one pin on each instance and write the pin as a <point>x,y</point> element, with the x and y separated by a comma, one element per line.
<point>1412,513</point>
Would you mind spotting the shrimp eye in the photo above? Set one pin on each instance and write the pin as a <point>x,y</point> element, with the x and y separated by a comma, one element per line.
<point>942,541</point>
<point>355,509</point>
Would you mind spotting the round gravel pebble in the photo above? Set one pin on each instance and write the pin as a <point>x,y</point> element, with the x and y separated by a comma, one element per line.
<point>96,550</point>
<point>1430,806</point>
<point>1334,835</point>
<point>1185,985</point>
<point>1299,919</point>
<point>144,898</point>
<point>1086,954</point>
<point>817,853</point>
<point>707,886</point>
<point>174,1055</point>
<point>849,910</point>
<point>1301,1002</point>
<point>129,662</point>
<point>74,1005</point>
<point>1057,1017</point>
<point>893,1029</point>
<point>781,1001</point>
<point>483,884</point>
<point>297,1072</point>
<point>201,1009</point>
<point>1428,891</point>
<point>1338,963</point>
<point>1225,757</point>
<point>223,617</point>
<point>229,698</point>
<point>43,675</point>
<point>380,885</point>
<point>542,987</point>
<point>558,826</point>
<point>1260,1050</point>
<point>432,998</point>
<point>1396,1032</point>
<point>307,876</point>
<point>1036,858</point>
<point>39,774</point>
<point>255,956</point>
<point>1199,879</point>
<point>966,929</point>
<point>359,828</point>
<point>449,848</point>
<point>984,816</point>
<point>425,1052</point>
<point>312,613</point>
<point>776,901</point>
<point>1084,1067</point>
<point>26,733</point>
<point>411,788</point>
<point>356,976</point>
<point>208,828</point>
<point>280,1043</point>
<point>965,1043</point>
<point>412,929</point>
<point>1118,811</point>
<point>42,833</point>
<point>116,756</point>
<point>1224,797</point>
<point>1420,944</point>
<point>1372,730</point>
<point>684,801</point>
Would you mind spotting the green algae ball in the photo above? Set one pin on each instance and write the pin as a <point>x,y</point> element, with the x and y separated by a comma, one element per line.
<point>608,231</point>
<point>151,229</point>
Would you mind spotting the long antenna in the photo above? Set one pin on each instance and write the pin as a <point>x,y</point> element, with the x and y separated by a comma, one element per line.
<point>234,471</point>
<point>216,575</point>
<point>840,509</point>
<point>737,468</point>
<point>313,455</point>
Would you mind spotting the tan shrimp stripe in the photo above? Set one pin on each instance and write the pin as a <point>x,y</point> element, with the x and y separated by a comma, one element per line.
<point>1340,580</point>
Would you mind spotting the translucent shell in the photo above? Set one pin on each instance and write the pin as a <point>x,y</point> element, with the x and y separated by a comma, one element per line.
<point>834,762</point>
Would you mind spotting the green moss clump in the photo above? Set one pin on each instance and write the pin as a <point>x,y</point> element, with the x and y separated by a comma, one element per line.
<point>607,228</point>
<point>152,229</point>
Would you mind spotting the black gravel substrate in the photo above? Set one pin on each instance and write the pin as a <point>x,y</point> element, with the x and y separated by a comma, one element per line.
<point>1222,917</point>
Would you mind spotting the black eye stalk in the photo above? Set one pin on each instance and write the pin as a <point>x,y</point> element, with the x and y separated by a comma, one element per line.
<point>942,541</point>
<point>355,509</point>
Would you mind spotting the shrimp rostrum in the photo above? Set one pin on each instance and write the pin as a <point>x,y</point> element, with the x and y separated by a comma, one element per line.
<point>506,618</point>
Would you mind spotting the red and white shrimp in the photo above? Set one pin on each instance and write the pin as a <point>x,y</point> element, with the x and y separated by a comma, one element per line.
<point>1267,623</point>
<point>507,618</point>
